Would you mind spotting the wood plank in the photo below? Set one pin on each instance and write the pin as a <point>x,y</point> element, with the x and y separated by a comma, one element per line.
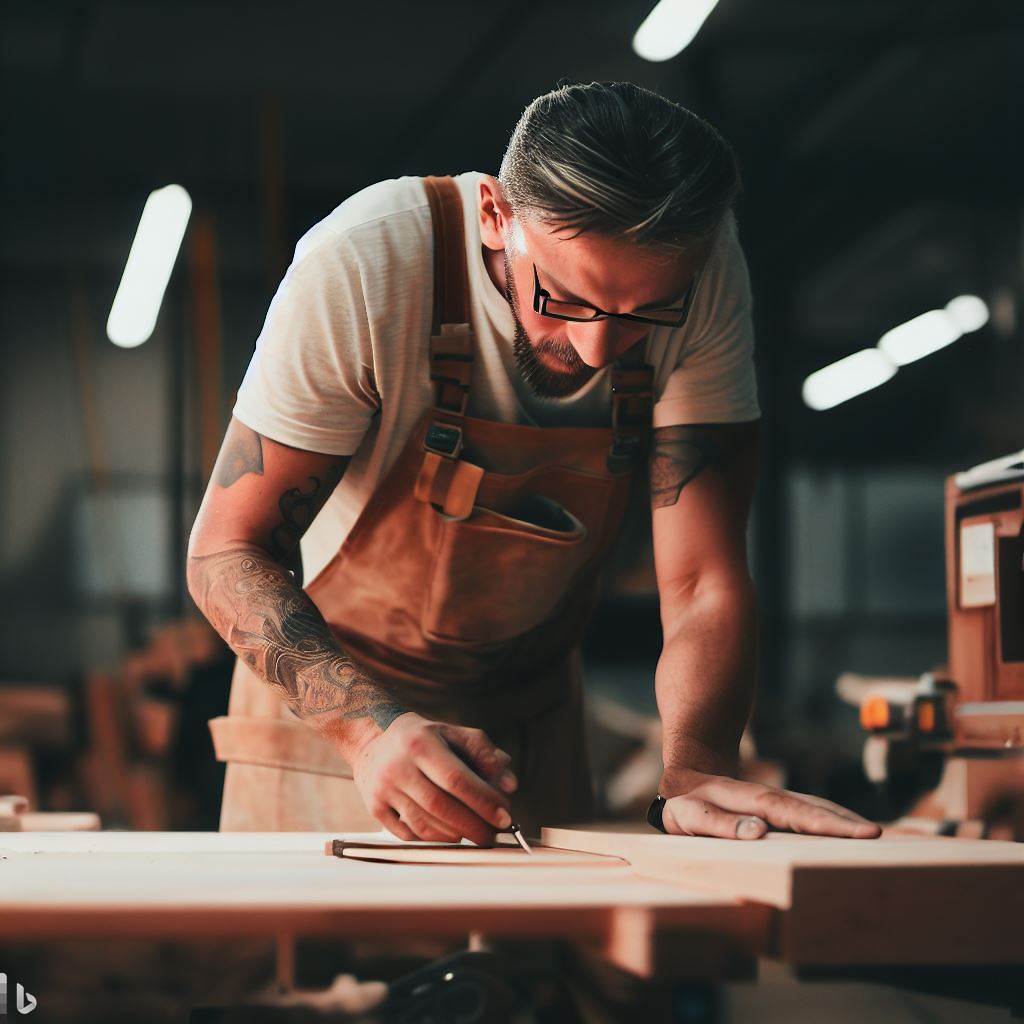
<point>905,899</point>
<point>59,821</point>
<point>180,885</point>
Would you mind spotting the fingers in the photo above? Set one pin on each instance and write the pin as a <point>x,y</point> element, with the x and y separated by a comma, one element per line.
<point>489,761</point>
<point>387,817</point>
<point>417,823</point>
<point>869,828</point>
<point>453,794</point>
<point>449,773</point>
<point>815,817</point>
<point>688,816</point>
<point>782,809</point>
<point>421,822</point>
<point>413,774</point>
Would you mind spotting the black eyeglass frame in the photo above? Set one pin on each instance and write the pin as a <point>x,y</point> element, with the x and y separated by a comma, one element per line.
<point>541,298</point>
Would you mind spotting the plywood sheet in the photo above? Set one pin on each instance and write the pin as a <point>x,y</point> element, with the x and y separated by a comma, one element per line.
<point>906,899</point>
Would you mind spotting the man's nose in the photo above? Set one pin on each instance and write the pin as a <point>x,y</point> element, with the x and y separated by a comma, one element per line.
<point>602,341</point>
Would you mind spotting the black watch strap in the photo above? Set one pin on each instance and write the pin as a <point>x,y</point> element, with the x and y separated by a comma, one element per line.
<point>654,813</point>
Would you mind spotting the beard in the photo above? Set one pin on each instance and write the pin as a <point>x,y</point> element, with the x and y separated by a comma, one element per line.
<point>543,380</point>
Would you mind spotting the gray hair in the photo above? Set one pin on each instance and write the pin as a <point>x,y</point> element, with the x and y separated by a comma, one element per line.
<point>616,159</point>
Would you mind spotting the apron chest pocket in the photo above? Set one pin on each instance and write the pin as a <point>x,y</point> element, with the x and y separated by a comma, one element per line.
<point>497,575</point>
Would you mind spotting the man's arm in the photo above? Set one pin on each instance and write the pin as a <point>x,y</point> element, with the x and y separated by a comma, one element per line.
<point>260,501</point>
<point>702,484</point>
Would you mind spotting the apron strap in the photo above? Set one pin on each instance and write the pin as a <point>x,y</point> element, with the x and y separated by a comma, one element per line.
<point>632,404</point>
<point>446,481</point>
<point>451,337</point>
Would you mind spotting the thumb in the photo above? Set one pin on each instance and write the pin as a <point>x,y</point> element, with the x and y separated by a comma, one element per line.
<point>689,816</point>
<point>474,746</point>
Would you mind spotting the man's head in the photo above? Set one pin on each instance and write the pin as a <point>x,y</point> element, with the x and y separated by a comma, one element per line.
<point>614,194</point>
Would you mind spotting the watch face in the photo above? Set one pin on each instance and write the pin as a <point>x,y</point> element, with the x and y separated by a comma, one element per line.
<point>654,813</point>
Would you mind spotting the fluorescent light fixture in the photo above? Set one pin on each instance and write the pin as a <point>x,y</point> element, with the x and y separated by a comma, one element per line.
<point>150,262</point>
<point>670,28</point>
<point>845,379</point>
<point>968,312</point>
<point>919,337</point>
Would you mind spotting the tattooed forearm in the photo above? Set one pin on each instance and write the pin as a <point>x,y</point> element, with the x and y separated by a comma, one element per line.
<point>678,455</point>
<point>280,634</point>
<point>241,453</point>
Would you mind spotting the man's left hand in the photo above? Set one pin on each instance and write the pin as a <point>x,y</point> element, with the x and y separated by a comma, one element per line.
<point>697,804</point>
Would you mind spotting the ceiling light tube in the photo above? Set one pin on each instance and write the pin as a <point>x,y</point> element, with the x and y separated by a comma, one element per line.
<point>670,28</point>
<point>845,379</point>
<point>148,269</point>
<point>968,312</point>
<point>919,337</point>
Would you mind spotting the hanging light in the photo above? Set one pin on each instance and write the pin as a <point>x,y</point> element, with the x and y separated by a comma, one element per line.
<point>670,28</point>
<point>920,336</point>
<point>968,312</point>
<point>845,379</point>
<point>934,330</point>
<point>148,269</point>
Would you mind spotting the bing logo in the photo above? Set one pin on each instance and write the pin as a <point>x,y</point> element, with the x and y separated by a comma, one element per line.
<point>24,1001</point>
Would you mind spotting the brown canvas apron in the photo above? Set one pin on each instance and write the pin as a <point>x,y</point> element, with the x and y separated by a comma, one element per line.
<point>463,587</point>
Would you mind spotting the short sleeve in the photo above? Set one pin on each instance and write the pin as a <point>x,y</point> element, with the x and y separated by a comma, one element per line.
<point>310,383</point>
<point>712,379</point>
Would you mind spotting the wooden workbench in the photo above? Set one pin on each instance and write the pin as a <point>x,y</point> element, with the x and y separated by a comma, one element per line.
<point>283,885</point>
<point>661,904</point>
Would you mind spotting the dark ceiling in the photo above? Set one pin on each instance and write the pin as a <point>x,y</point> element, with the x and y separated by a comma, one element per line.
<point>881,140</point>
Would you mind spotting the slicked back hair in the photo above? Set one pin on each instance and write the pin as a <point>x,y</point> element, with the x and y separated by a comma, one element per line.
<point>619,160</point>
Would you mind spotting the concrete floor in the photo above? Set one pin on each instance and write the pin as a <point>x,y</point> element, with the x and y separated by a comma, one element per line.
<point>81,982</point>
<point>779,998</point>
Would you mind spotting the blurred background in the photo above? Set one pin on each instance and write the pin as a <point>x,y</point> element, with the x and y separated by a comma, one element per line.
<point>881,146</point>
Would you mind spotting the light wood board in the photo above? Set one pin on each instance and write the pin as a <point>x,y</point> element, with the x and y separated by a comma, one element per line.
<point>181,885</point>
<point>906,899</point>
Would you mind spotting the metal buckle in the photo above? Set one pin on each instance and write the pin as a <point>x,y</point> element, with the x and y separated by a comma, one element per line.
<point>623,452</point>
<point>444,439</point>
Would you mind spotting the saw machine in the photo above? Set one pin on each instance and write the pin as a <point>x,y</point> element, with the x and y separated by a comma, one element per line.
<point>957,733</point>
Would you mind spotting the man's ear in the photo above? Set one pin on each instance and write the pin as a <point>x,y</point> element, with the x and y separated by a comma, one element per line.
<point>495,213</point>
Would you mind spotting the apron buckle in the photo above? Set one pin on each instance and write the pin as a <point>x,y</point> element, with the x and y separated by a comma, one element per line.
<point>444,439</point>
<point>624,452</point>
<point>451,367</point>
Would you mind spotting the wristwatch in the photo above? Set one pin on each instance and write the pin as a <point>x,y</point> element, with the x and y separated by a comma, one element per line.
<point>654,813</point>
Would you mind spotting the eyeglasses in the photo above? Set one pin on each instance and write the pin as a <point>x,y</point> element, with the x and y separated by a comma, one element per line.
<point>583,312</point>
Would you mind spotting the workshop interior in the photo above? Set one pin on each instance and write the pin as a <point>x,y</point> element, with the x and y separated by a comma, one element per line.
<point>168,168</point>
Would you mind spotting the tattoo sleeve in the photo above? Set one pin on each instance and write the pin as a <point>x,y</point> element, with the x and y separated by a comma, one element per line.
<point>277,630</point>
<point>678,455</point>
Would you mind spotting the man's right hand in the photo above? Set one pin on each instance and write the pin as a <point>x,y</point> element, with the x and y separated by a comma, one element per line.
<point>428,780</point>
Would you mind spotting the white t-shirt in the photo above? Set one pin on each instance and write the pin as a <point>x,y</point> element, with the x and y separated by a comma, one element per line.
<point>341,363</point>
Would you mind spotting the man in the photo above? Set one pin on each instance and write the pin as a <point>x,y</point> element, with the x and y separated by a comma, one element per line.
<point>446,404</point>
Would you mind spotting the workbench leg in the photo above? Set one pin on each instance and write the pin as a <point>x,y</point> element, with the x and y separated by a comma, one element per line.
<point>284,947</point>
